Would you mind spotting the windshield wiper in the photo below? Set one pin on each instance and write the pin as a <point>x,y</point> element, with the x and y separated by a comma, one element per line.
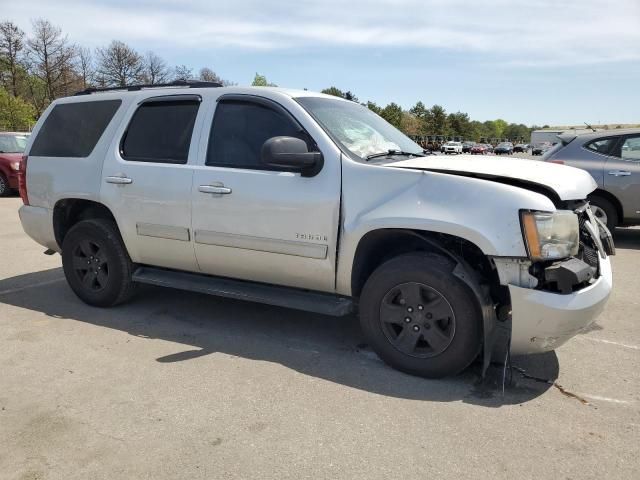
<point>389,153</point>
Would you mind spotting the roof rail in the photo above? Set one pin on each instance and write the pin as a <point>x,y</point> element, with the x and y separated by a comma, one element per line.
<point>135,88</point>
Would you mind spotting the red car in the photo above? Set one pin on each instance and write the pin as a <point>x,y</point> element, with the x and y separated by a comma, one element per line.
<point>479,149</point>
<point>12,146</point>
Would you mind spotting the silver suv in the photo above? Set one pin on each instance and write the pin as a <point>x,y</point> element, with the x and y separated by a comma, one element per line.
<point>613,160</point>
<point>307,201</point>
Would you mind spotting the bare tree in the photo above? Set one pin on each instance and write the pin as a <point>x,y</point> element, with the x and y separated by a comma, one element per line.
<point>208,75</point>
<point>51,58</point>
<point>85,66</point>
<point>182,72</point>
<point>11,46</point>
<point>37,93</point>
<point>155,69</point>
<point>119,65</point>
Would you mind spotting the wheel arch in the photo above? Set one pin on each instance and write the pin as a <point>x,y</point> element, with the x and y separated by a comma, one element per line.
<point>614,201</point>
<point>378,246</point>
<point>69,211</point>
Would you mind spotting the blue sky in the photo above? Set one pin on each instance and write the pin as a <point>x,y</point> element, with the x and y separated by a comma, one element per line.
<point>535,62</point>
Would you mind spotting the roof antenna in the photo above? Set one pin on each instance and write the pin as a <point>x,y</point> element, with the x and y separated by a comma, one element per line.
<point>589,126</point>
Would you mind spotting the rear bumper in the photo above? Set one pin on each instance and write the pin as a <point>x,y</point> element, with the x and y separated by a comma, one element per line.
<point>38,224</point>
<point>542,321</point>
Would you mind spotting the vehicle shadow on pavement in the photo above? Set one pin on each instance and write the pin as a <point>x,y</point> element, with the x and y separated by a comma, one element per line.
<point>325,347</point>
<point>627,238</point>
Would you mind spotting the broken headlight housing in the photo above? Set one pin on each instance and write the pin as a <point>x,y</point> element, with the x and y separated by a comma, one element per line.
<point>550,235</point>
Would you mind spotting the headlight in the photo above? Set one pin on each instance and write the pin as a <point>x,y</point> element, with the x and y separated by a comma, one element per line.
<point>15,166</point>
<point>550,236</point>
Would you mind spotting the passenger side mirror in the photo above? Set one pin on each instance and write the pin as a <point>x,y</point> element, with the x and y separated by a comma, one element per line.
<point>291,154</point>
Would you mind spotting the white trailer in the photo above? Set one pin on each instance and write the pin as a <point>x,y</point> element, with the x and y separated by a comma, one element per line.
<point>545,136</point>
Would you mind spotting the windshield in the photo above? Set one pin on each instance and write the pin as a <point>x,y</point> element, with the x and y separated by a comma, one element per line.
<point>356,128</point>
<point>13,143</point>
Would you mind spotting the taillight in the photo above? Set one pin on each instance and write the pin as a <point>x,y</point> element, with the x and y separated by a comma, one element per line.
<point>561,162</point>
<point>22,180</point>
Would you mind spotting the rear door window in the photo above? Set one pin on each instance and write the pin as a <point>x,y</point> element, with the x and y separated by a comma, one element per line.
<point>73,129</point>
<point>630,149</point>
<point>602,145</point>
<point>160,131</point>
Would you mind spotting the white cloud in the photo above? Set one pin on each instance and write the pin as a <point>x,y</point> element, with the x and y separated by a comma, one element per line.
<point>524,32</point>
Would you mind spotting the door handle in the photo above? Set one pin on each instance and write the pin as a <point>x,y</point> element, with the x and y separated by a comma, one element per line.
<point>214,189</point>
<point>119,180</point>
<point>620,173</point>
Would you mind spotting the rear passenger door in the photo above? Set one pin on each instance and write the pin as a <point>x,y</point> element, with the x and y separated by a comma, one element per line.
<point>622,175</point>
<point>146,180</point>
<point>592,156</point>
<point>258,223</point>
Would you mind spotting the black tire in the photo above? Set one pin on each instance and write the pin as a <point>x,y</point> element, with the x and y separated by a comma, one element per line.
<point>608,208</point>
<point>4,186</point>
<point>445,330</point>
<point>106,280</point>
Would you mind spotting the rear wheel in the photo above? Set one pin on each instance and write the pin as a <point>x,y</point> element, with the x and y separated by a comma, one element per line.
<point>419,317</point>
<point>96,263</point>
<point>605,211</point>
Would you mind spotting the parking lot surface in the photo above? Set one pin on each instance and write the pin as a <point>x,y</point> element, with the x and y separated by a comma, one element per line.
<point>180,385</point>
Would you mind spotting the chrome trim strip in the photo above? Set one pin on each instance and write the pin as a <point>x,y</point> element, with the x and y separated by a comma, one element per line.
<point>261,244</point>
<point>163,231</point>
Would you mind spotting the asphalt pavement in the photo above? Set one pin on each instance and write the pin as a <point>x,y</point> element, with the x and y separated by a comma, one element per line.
<point>177,385</point>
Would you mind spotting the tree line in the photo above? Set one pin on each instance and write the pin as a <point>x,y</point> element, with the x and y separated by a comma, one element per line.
<point>37,68</point>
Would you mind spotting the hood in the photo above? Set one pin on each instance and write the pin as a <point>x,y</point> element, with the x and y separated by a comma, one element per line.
<point>11,157</point>
<point>566,182</point>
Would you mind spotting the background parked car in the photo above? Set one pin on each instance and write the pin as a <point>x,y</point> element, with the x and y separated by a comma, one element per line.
<point>540,148</point>
<point>479,149</point>
<point>613,160</point>
<point>504,148</point>
<point>12,146</point>
<point>467,146</point>
<point>521,148</point>
<point>452,147</point>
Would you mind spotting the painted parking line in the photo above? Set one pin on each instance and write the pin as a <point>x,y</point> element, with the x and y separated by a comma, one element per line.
<point>611,342</point>
<point>599,398</point>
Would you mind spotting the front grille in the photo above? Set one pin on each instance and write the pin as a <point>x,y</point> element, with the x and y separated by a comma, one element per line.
<point>588,251</point>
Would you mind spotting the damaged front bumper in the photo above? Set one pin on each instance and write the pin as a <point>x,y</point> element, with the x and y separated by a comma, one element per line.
<point>543,320</point>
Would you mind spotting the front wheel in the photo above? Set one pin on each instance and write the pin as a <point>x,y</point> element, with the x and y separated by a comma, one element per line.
<point>96,263</point>
<point>4,186</point>
<point>419,317</point>
<point>605,211</point>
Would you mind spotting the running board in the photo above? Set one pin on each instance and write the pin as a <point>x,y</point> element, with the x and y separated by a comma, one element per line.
<point>288,297</point>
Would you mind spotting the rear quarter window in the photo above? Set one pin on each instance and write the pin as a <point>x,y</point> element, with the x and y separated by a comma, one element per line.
<point>73,129</point>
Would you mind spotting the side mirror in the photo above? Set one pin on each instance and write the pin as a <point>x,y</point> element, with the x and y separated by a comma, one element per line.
<point>292,154</point>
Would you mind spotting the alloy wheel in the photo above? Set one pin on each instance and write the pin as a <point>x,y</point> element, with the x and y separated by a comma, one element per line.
<point>417,320</point>
<point>90,265</point>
